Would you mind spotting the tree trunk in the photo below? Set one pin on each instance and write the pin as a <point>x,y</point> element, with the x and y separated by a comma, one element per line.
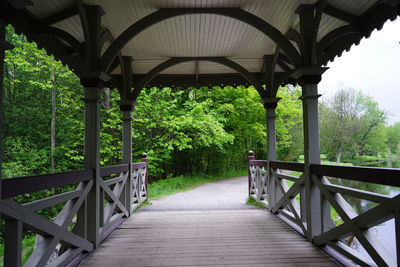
<point>107,98</point>
<point>339,155</point>
<point>53,121</point>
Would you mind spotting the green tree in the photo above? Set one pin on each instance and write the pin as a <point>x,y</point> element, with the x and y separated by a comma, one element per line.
<point>351,124</point>
<point>393,138</point>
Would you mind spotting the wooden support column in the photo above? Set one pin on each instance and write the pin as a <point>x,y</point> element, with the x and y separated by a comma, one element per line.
<point>312,208</point>
<point>127,105</point>
<point>3,47</point>
<point>93,81</point>
<point>90,216</point>
<point>126,112</point>
<point>270,105</point>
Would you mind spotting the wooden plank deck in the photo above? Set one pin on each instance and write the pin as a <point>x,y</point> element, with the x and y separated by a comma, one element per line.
<point>250,237</point>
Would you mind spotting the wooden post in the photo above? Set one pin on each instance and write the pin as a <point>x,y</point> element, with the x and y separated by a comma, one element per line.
<point>2,55</point>
<point>146,179</point>
<point>250,156</point>
<point>13,243</point>
<point>92,81</point>
<point>92,161</point>
<point>312,208</point>
<point>90,216</point>
<point>126,112</point>
<point>273,191</point>
<point>126,105</point>
<point>10,227</point>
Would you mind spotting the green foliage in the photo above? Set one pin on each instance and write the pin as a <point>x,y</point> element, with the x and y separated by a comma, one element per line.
<point>289,124</point>
<point>29,79</point>
<point>184,131</point>
<point>352,124</point>
<point>393,138</point>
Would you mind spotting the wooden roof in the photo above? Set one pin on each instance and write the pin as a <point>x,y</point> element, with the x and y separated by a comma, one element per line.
<point>211,35</point>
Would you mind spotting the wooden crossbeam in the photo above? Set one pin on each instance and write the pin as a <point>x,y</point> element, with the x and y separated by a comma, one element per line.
<point>291,202</point>
<point>349,223</point>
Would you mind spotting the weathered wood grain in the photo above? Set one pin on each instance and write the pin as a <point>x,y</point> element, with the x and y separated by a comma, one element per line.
<point>206,238</point>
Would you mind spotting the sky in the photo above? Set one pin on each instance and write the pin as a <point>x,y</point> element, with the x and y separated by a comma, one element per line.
<point>372,67</point>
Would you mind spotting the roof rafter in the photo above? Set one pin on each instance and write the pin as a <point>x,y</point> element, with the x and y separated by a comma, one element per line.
<point>340,14</point>
<point>60,16</point>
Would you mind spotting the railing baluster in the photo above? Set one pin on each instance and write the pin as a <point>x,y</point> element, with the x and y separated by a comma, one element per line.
<point>250,156</point>
<point>397,233</point>
<point>101,209</point>
<point>271,187</point>
<point>146,178</point>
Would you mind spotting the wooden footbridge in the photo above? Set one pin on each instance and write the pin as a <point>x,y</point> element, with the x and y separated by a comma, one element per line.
<point>141,43</point>
<point>199,228</point>
<point>198,234</point>
<point>249,237</point>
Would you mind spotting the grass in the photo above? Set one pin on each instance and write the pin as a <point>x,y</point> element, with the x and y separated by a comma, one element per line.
<point>364,158</point>
<point>178,184</point>
<point>250,201</point>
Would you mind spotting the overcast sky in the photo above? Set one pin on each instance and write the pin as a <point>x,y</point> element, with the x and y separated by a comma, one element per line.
<point>372,67</point>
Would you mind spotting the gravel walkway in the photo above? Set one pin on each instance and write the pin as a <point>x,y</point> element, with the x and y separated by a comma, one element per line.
<point>229,194</point>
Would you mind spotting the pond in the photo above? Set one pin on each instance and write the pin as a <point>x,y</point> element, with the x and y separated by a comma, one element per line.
<point>384,232</point>
<point>388,163</point>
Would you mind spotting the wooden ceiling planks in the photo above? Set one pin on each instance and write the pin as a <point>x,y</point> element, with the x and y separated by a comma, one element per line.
<point>196,35</point>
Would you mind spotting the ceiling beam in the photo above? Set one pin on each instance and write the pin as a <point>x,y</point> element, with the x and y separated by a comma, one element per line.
<point>189,80</point>
<point>20,4</point>
<point>340,14</point>
<point>283,65</point>
<point>60,16</point>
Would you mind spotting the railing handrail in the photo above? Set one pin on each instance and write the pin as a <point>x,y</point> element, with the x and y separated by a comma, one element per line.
<point>287,165</point>
<point>375,175</point>
<point>137,165</point>
<point>383,176</point>
<point>256,162</point>
<point>113,169</point>
<point>16,186</point>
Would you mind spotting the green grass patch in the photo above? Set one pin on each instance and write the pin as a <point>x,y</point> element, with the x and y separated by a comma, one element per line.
<point>178,184</point>
<point>363,158</point>
<point>250,201</point>
<point>327,162</point>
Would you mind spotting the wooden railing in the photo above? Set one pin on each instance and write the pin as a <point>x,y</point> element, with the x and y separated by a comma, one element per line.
<point>281,187</point>
<point>63,239</point>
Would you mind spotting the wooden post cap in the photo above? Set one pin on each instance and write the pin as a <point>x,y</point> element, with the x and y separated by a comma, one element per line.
<point>144,155</point>
<point>250,153</point>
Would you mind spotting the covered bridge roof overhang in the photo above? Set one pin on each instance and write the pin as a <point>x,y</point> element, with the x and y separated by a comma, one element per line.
<point>197,42</point>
